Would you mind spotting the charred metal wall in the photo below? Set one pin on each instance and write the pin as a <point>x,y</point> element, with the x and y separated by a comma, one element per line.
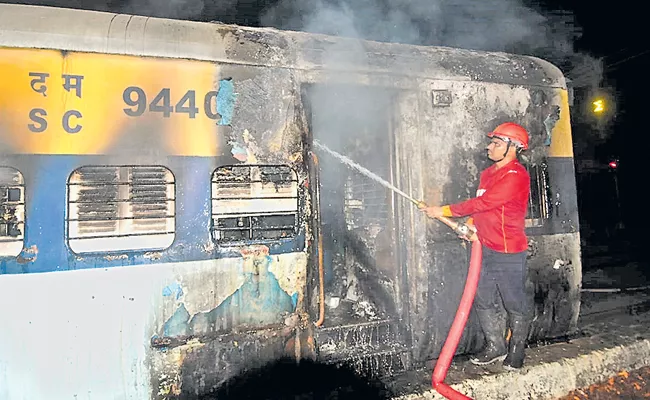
<point>554,281</point>
<point>231,318</point>
<point>454,118</point>
<point>439,130</point>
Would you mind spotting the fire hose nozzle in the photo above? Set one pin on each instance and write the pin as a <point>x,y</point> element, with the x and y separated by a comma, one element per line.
<point>462,229</point>
<point>466,232</point>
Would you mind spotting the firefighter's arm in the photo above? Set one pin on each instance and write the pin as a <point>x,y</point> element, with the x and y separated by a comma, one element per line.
<point>502,192</point>
<point>445,211</point>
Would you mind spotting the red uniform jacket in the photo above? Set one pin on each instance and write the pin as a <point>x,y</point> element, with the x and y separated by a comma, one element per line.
<point>499,210</point>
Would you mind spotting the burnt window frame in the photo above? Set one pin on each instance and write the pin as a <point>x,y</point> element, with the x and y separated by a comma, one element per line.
<point>539,194</point>
<point>119,238</point>
<point>5,188</point>
<point>250,239</point>
<point>362,193</point>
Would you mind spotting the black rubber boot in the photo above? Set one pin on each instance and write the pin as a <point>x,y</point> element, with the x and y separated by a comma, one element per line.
<point>495,344</point>
<point>516,354</point>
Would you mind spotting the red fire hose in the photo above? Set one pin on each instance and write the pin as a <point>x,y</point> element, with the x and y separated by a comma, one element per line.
<point>457,327</point>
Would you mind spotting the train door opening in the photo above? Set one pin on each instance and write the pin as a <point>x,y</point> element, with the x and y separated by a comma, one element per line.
<point>359,227</point>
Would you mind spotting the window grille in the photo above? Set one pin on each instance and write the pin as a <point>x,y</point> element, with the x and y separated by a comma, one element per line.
<point>12,211</point>
<point>366,202</point>
<point>115,208</point>
<point>254,203</point>
<point>538,202</point>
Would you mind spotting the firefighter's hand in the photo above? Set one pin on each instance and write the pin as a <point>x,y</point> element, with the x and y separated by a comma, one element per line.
<point>471,235</point>
<point>433,211</point>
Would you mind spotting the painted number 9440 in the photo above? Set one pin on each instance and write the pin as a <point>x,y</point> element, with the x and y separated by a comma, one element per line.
<point>136,99</point>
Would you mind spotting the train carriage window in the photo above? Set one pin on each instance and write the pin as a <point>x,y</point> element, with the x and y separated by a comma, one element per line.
<point>538,206</point>
<point>120,208</point>
<point>254,202</point>
<point>12,212</point>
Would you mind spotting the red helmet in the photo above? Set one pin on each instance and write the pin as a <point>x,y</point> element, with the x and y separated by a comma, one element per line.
<point>510,131</point>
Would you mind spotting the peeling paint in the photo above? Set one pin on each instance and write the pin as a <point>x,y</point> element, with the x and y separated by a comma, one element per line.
<point>263,287</point>
<point>291,280</point>
<point>239,152</point>
<point>28,254</point>
<point>549,124</point>
<point>173,290</point>
<point>246,152</point>
<point>258,302</point>
<point>226,97</point>
<point>114,257</point>
<point>251,146</point>
<point>154,255</point>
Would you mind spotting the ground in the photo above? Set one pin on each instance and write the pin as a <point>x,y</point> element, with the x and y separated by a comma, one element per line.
<point>625,385</point>
<point>615,270</point>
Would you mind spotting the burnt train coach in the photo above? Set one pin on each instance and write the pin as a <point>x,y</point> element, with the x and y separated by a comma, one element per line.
<point>166,221</point>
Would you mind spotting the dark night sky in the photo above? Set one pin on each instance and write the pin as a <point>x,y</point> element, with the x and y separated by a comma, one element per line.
<point>613,32</point>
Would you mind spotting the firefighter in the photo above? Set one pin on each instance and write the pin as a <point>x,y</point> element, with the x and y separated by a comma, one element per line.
<point>498,212</point>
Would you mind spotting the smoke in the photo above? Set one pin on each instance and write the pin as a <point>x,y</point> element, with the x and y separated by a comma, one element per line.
<point>491,25</point>
<point>181,9</point>
<point>223,10</point>
<point>484,25</point>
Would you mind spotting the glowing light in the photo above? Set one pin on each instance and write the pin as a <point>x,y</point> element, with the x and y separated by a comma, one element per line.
<point>599,105</point>
<point>613,164</point>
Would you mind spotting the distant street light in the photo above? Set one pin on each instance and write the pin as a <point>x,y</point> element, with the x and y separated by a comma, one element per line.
<point>599,106</point>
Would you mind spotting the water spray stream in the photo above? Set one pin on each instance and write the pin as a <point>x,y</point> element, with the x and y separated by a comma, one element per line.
<point>460,229</point>
<point>367,173</point>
